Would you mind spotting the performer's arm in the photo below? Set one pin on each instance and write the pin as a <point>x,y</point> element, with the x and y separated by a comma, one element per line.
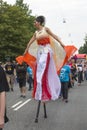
<point>54,36</point>
<point>30,42</point>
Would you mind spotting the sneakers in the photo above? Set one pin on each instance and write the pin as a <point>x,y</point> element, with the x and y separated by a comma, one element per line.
<point>29,89</point>
<point>66,101</point>
<point>23,96</point>
<point>11,89</point>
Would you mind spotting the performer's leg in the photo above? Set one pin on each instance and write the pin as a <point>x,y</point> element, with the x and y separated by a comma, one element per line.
<point>38,109</point>
<point>45,114</point>
<point>1,129</point>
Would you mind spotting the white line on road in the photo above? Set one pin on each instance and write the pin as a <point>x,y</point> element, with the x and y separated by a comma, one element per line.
<point>22,105</point>
<point>16,104</point>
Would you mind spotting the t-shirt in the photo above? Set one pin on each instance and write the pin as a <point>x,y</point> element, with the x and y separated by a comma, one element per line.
<point>9,69</point>
<point>21,71</point>
<point>29,70</point>
<point>65,73</point>
<point>79,67</point>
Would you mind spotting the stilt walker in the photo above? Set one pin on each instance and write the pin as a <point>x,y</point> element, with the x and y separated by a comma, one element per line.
<point>45,57</point>
<point>45,53</point>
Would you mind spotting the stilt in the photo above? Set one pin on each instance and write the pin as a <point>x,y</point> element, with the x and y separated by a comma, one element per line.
<point>45,114</point>
<point>1,129</point>
<point>38,109</point>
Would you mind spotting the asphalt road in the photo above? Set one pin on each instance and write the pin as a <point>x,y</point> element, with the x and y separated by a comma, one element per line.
<point>61,115</point>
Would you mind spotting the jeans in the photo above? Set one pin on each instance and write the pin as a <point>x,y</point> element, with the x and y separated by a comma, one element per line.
<point>30,81</point>
<point>85,75</point>
<point>64,89</point>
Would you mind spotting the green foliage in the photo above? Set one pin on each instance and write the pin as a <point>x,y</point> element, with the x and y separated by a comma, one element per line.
<point>83,49</point>
<point>16,28</point>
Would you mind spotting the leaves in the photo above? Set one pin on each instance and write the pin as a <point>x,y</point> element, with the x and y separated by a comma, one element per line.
<point>83,49</point>
<point>16,28</point>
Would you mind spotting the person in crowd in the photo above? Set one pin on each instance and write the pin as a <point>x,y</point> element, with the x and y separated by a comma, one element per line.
<point>70,81</point>
<point>80,72</point>
<point>9,69</point>
<point>79,75</point>
<point>65,76</point>
<point>73,73</point>
<point>30,77</point>
<point>80,66</point>
<point>21,72</point>
<point>47,84</point>
<point>3,89</point>
<point>85,71</point>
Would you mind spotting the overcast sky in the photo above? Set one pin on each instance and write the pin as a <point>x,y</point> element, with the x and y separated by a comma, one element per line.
<point>74,12</point>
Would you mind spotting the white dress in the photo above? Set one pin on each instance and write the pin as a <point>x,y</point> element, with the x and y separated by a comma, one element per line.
<point>46,57</point>
<point>47,84</point>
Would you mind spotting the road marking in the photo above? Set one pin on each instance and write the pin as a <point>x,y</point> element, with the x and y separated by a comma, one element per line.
<point>22,105</point>
<point>16,104</point>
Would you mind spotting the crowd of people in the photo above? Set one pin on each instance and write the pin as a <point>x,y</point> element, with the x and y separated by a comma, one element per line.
<point>11,74</point>
<point>46,83</point>
<point>71,74</point>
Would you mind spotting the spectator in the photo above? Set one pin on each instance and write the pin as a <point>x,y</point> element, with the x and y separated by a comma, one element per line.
<point>29,77</point>
<point>85,72</point>
<point>9,69</point>
<point>73,73</point>
<point>79,71</point>
<point>21,71</point>
<point>3,89</point>
<point>65,75</point>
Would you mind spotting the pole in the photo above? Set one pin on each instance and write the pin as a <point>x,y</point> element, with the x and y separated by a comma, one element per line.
<point>38,109</point>
<point>45,114</point>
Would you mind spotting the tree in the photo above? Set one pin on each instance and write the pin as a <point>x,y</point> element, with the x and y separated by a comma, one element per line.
<point>83,49</point>
<point>16,28</point>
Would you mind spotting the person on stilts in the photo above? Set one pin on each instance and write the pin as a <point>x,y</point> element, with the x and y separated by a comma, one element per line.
<point>47,84</point>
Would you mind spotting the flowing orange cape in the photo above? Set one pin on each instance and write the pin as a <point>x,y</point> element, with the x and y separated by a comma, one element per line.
<point>70,50</point>
<point>61,55</point>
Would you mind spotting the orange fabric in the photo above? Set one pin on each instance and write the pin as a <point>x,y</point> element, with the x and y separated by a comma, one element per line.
<point>43,41</point>
<point>30,60</point>
<point>70,50</point>
<point>19,59</point>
